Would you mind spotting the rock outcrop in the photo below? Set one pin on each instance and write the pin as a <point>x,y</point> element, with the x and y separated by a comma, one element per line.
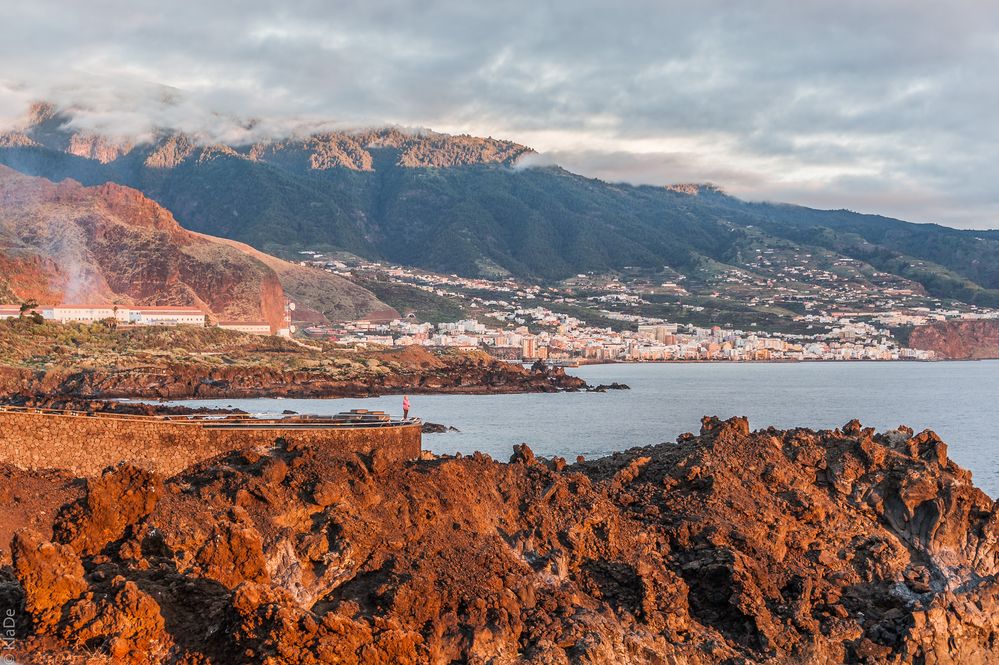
<point>958,340</point>
<point>52,127</point>
<point>467,373</point>
<point>111,244</point>
<point>731,546</point>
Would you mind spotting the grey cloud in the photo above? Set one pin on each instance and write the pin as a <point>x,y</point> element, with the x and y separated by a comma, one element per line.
<point>886,107</point>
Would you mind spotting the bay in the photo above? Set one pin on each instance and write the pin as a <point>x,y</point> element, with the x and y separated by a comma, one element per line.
<point>958,400</point>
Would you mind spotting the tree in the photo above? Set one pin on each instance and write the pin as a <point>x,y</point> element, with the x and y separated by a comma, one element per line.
<point>27,306</point>
<point>112,321</point>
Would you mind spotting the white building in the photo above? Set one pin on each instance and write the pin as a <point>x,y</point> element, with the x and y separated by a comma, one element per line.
<point>659,332</point>
<point>250,327</point>
<point>10,311</point>
<point>85,313</point>
<point>166,316</point>
<point>140,316</point>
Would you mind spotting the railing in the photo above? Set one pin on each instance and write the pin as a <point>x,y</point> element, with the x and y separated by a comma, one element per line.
<point>349,420</point>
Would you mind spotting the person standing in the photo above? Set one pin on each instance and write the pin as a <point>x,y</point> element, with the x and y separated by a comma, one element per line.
<point>405,407</point>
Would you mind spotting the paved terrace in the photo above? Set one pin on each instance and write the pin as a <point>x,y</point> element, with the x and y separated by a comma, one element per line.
<point>85,443</point>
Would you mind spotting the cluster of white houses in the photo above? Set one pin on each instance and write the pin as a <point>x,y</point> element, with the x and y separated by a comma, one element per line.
<point>136,316</point>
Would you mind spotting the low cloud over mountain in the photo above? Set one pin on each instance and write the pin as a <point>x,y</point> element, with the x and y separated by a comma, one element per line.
<point>881,107</point>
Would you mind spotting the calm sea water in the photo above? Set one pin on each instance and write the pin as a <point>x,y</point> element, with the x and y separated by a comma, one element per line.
<point>958,400</point>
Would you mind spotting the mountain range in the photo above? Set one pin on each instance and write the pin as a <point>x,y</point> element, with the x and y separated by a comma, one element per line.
<point>477,207</point>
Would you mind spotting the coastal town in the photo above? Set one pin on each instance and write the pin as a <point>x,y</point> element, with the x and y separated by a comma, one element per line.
<point>519,321</point>
<point>599,318</point>
<point>564,339</point>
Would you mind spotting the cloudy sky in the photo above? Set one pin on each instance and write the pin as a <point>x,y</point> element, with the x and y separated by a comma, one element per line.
<point>887,106</point>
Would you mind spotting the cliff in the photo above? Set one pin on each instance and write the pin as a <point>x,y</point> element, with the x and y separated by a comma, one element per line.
<point>358,150</point>
<point>47,126</point>
<point>731,546</point>
<point>110,244</point>
<point>958,340</point>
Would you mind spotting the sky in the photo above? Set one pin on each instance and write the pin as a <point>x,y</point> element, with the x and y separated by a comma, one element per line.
<point>886,107</point>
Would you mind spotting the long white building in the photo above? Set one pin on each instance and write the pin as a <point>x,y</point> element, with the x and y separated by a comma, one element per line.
<point>166,316</point>
<point>250,327</point>
<point>138,316</point>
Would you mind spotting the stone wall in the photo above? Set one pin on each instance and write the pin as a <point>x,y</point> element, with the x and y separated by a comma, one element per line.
<point>85,445</point>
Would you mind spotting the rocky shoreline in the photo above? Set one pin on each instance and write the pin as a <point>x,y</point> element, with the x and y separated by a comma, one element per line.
<point>461,375</point>
<point>729,546</point>
<point>46,365</point>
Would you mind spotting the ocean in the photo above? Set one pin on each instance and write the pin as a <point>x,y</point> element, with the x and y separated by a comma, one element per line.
<point>958,400</point>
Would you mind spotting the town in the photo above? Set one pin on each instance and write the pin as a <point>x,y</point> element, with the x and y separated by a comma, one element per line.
<point>832,312</point>
<point>566,340</point>
<point>529,322</point>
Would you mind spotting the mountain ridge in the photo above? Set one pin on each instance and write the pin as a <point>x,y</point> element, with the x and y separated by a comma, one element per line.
<point>472,207</point>
<point>49,127</point>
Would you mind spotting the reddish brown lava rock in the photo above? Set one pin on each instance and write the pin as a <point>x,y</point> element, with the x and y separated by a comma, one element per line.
<point>125,621</point>
<point>467,373</point>
<point>50,575</point>
<point>958,340</point>
<point>118,246</point>
<point>120,497</point>
<point>736,547</point>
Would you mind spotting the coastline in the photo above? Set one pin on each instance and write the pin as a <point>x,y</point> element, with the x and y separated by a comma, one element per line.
<point>466,376</point>
<point>811,546</point>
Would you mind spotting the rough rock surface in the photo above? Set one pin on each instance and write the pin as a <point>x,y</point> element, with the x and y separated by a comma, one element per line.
<point>730,546</point>
<point>62,242</point>
<point>958,340</point>
<point>470,373</point>
<point>110,243</point>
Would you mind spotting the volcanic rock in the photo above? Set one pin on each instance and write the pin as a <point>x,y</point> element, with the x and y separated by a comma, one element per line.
<point>732,546</point>
<point>62,242</point>
<point>437,428</point>
<point>604,387</point>
<point>958,340</point>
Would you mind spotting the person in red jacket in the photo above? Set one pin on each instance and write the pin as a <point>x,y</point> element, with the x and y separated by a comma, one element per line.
<point>405,407</point>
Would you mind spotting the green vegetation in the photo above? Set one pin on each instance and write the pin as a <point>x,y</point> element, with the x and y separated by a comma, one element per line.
<point>27,343</point>
<point>74,347</point>
<point>426,306</point>
<point>543,224</point>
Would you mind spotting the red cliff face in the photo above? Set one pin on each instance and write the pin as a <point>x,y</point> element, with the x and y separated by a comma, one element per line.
<point>92,146</point>
<point>66,242</point>
<point>959,340</point>
<point>783,547</point>
<point>272,299</point>
<point>133,207</point>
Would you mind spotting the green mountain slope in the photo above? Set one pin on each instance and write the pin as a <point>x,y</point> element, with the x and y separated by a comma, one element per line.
<point>463,205</point>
